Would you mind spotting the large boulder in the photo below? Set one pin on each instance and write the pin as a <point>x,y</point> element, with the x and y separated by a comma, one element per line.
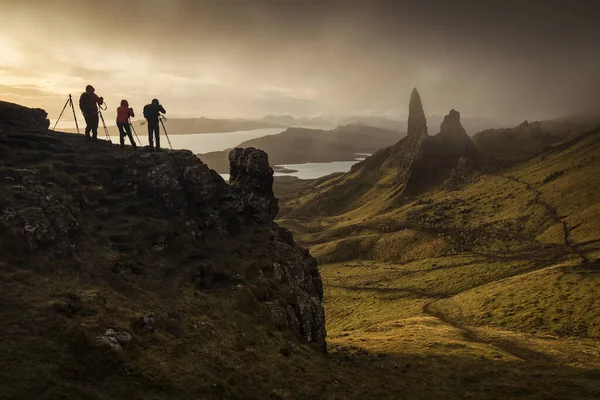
<point>252,175</point>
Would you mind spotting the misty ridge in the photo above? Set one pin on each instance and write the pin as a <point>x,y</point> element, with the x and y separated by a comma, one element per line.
<point>222,125</point>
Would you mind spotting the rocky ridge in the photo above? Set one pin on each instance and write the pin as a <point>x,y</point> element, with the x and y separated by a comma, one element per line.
<point>64,200</point>
<point>415,164</point>
<point>421,161</point>
<point>505,147</point>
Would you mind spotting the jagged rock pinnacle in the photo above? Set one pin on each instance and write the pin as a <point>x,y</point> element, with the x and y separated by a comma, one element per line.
<point>451,125</point>
<point>417,123</point>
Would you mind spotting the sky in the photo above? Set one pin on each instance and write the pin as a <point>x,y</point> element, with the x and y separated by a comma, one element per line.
<point>508,59</point>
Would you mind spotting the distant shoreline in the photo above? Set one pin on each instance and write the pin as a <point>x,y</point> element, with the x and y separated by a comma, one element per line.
<point>142,128</point>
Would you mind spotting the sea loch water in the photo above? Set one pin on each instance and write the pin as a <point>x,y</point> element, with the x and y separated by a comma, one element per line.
<point>207,142</point>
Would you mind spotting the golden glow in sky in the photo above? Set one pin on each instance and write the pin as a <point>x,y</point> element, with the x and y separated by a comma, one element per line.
<point>230,58</point>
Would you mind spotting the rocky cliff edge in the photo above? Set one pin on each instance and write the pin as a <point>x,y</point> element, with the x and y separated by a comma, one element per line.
<point>130,221</point>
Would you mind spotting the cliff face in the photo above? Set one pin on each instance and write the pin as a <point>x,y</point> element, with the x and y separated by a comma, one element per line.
<point>145,231</point>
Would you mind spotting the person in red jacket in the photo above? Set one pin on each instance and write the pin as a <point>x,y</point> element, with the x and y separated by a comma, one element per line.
<point>88,103</point>
<point>123,115</point>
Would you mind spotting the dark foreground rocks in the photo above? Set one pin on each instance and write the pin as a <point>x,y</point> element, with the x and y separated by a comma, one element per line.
<point>68,200</point>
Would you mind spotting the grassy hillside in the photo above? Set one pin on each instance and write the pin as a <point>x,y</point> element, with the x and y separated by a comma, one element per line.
<point>503,271</point>
<point>485,292</point>
<point>510,146</point>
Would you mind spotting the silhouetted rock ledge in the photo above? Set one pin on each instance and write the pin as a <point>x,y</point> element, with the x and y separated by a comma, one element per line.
<point>64,199</point>
<point>22,117</point>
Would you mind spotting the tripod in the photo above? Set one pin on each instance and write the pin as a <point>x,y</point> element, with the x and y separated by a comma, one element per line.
<point>100,109</point>
<point>136,135</point>
<point>68,103</point>
<point>166,134</point>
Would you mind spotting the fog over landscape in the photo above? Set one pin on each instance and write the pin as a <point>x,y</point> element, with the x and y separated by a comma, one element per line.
<point>502,60</point>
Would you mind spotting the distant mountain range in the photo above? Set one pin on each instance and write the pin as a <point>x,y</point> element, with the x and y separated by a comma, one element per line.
<point>184,126</point>
<point>289,120</point>
<point>471,124</point>
<point>303,145</point>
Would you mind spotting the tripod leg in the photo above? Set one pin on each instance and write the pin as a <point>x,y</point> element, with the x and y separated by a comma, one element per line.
<point>136,135</point>
<point>166,134</point>
<point>61,113</point>
<point>74,115</point>
<point>105,128</point>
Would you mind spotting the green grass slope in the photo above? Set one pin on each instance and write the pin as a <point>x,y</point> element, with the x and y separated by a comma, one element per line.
<point>504,269</point>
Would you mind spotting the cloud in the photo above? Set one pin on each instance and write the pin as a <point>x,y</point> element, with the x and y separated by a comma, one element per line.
<point>530,59</point>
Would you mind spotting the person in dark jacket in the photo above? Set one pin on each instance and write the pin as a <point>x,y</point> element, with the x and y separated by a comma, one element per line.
<point>88,103</point>
<point>123,115</point>
<point>152,113</point>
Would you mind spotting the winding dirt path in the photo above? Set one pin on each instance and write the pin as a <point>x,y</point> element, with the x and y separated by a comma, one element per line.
<point>551,210</point>
<point>470,335</point>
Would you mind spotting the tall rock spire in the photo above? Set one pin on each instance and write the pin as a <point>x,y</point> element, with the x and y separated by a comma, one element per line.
<point>417,123</point>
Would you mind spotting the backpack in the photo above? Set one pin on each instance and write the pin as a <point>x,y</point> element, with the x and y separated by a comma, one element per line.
<point>147,111</point>
<point>86,104</point>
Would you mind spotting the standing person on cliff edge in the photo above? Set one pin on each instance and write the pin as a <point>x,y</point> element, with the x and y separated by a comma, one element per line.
<point>152,113</point>
<point>123,115</point>
<point>88,103</point>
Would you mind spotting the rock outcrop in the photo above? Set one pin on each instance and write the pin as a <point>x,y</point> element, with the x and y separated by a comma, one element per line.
<point>252,175</point>
<point>440,155</point>
<point>451,125</point>
<point>417,123</point>
<point>418,162</point>
<point>465,173</point>
<point>65,199</point>
<point>14,115</point>
<point>422,161</point>
<point>411,149</point>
